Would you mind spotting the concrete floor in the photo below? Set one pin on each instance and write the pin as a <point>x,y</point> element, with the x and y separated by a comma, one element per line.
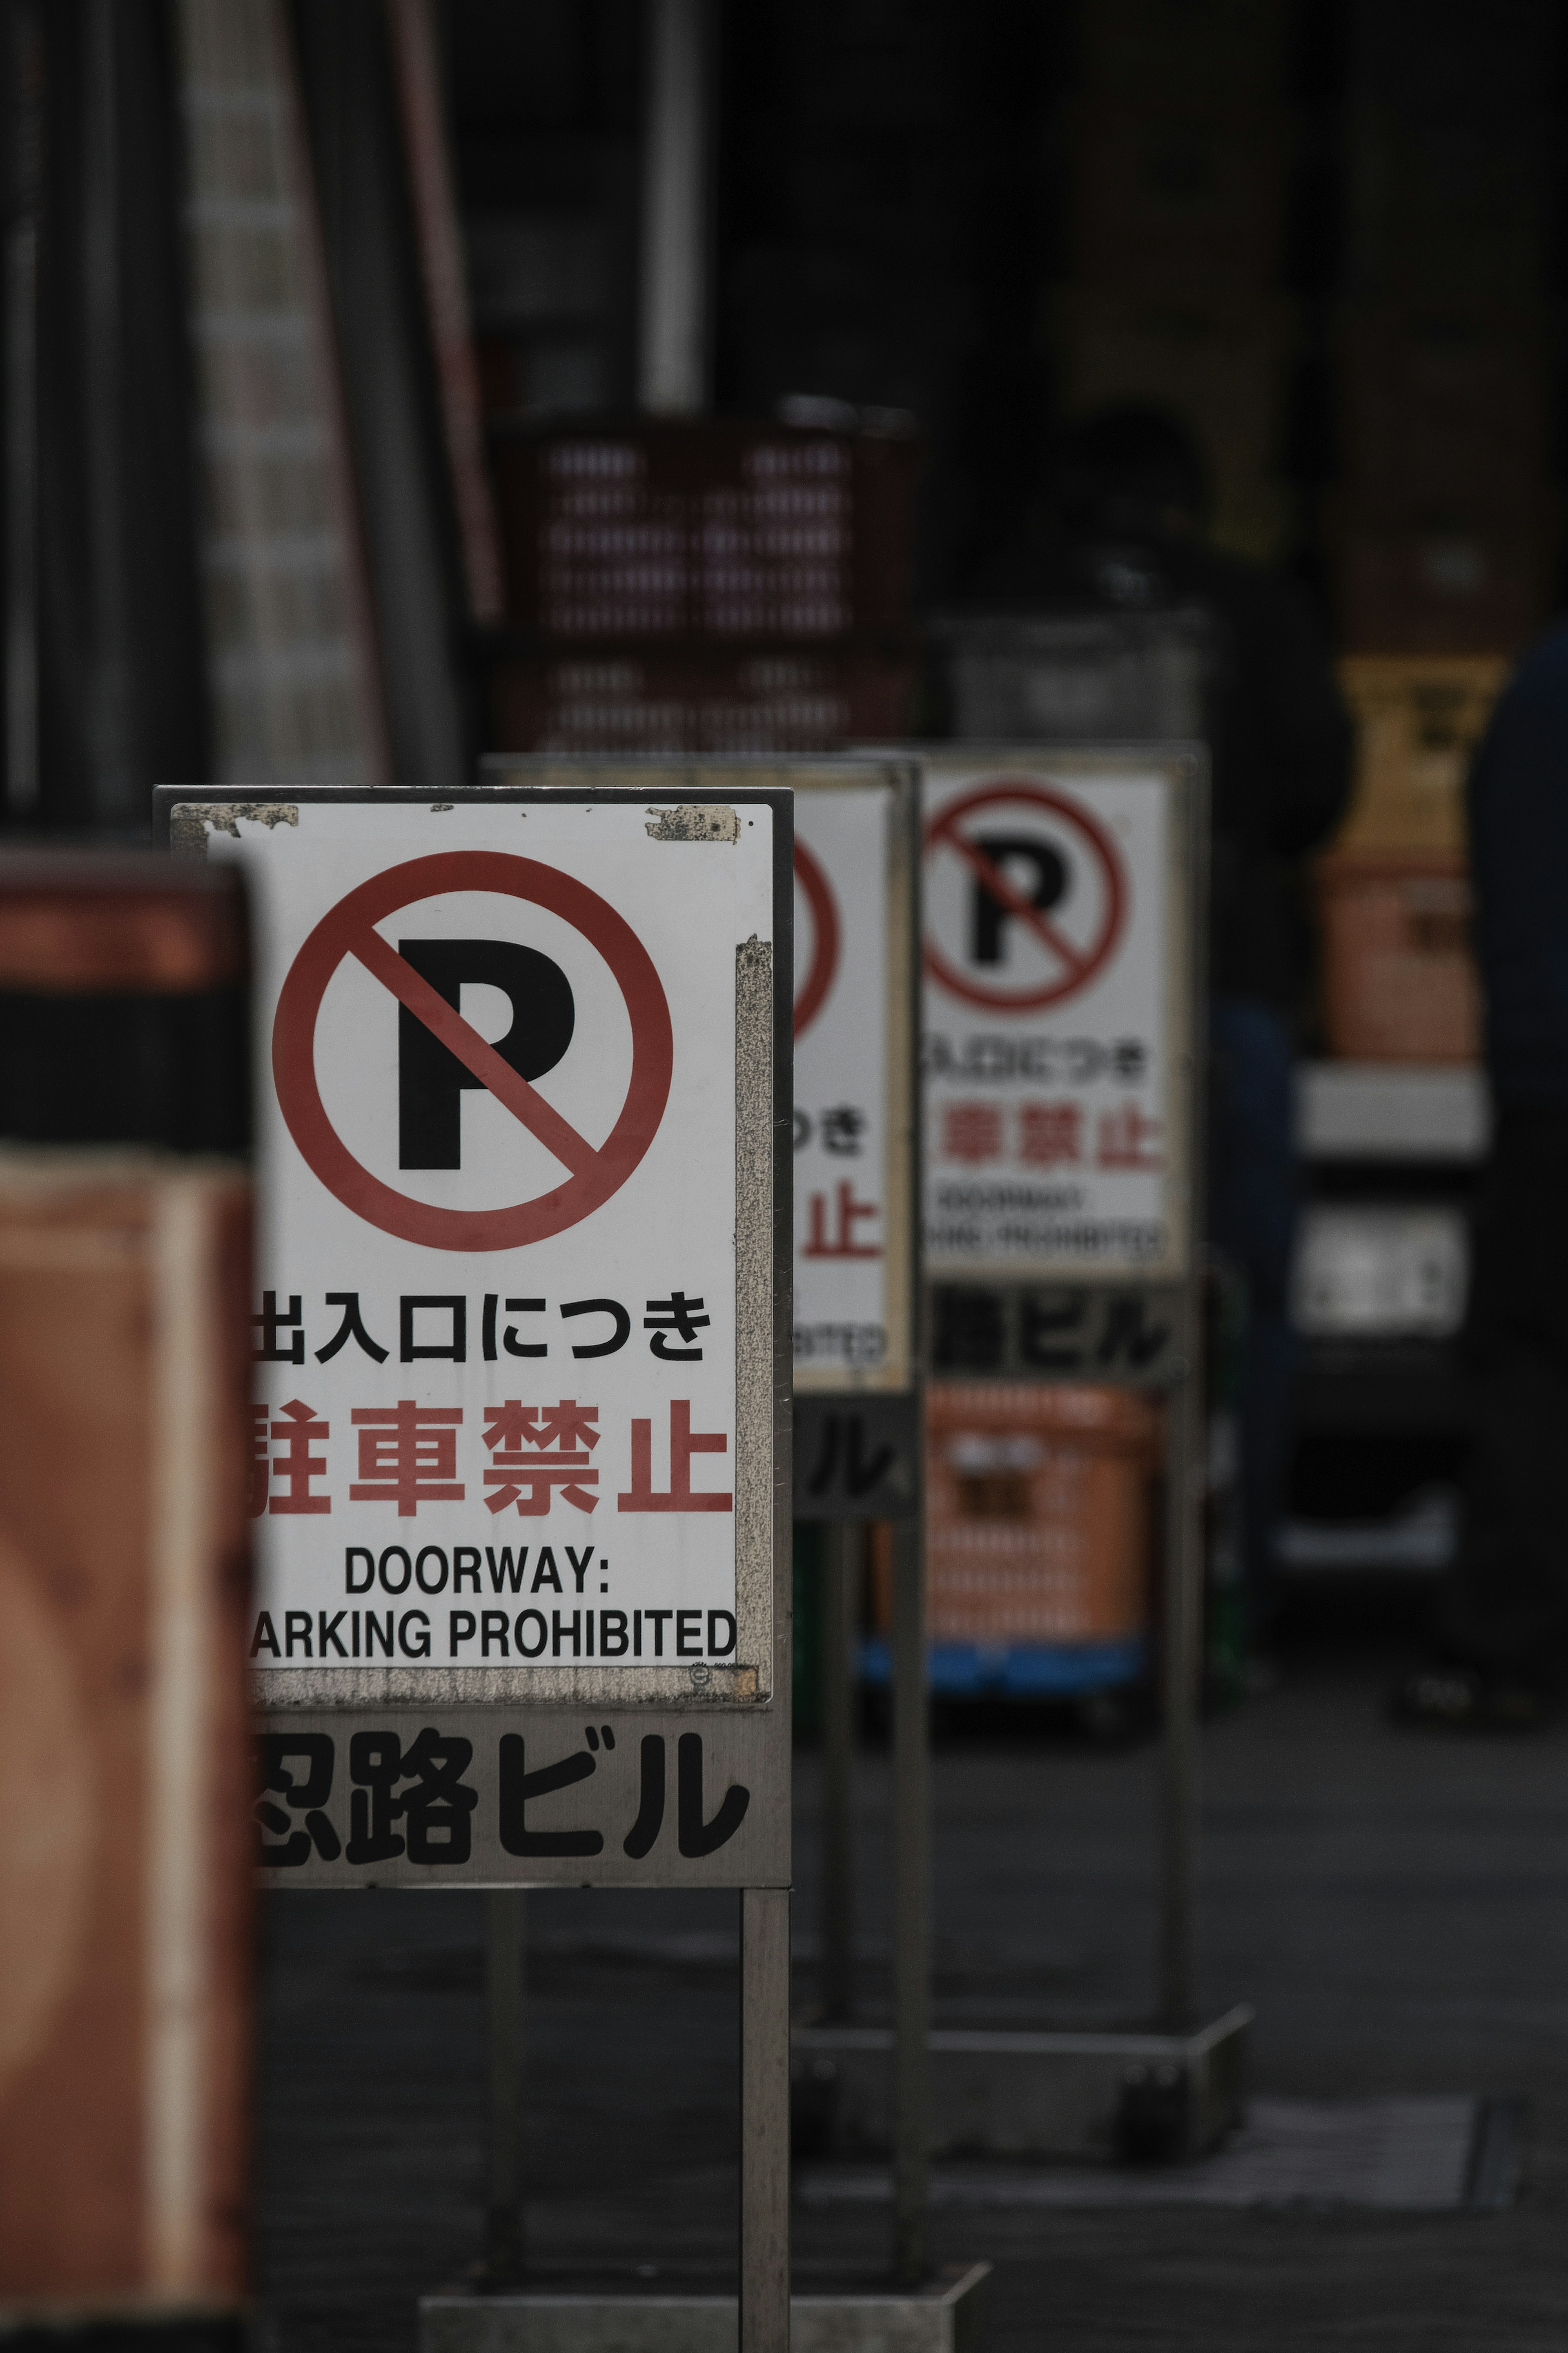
<point>1395,1905</point>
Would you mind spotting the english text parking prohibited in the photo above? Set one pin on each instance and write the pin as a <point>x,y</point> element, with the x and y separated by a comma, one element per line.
<point>349,930</point>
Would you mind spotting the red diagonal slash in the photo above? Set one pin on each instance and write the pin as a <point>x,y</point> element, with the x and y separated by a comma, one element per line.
<point>459,1037</point>
<point>996,882</point>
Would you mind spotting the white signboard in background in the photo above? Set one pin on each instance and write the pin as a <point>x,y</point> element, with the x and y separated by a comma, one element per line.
<point>514,1325</point>
<point>1058,990</point>
<point>853,1107</point>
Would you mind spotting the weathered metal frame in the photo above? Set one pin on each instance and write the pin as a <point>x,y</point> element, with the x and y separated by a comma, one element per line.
<point>1182,1655</point>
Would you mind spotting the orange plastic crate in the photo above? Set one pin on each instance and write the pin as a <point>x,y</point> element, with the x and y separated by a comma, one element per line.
<point>1039,1520</point>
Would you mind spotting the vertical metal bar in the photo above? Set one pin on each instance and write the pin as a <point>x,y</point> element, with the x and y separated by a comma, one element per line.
<point>764,2120</point>
<point>672,366</point>
<point>1183,1638</point>
<point>506,1926</point>
<point>1184,1438</point>
<point>270,39</point>
<point>437,228</point>
<point>21,329</point>
<point>841,1549</point>
<point>295,667</point>
<point>113,779</point>
<point>342,58</point>
<point>911,1907</point>
<point>911,1716</point>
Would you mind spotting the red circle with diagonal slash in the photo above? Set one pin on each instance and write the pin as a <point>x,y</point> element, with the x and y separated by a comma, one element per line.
<point>348,929</point>
<point>1081,964</point>
<point>825,936</point>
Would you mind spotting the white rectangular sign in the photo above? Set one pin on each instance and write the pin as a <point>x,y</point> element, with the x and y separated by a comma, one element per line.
<point>854,1095</point>
<point>515,1314</point>
<point>1059,889</point>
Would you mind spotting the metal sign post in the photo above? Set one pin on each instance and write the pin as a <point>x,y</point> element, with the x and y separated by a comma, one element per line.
<point>506,1926</point>
<point>1064,1014</point>
<point>858,1359</point>
<point>521,1438</point>
<point>1064,1009</point>
<point>842,1566</point>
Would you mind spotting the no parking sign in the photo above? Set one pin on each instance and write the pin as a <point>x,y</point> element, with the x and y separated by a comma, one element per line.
<point>440,1053</point>
<point>854,1080</point>
<point>857,1094</point>
<point>1061,917</point>
<point>518,1323</point>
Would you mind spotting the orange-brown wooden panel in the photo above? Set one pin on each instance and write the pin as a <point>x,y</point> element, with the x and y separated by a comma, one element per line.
<point>124,2001</point>
<point>84,924</point>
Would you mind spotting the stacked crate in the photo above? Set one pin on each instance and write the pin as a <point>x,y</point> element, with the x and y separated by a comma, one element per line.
<point>705,585</point>
<point>1038,1512</point>
<point>1181,149</point>
<point>1445,521</point>
<point>1399,982</point>
<point>1038,1531</point>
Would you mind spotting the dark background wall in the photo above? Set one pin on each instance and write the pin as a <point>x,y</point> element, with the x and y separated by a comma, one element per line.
<point>93,159</point>
<point>1329,232</point>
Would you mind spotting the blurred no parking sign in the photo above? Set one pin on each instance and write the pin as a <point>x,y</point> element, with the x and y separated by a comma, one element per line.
<point>1062,923</point>
<point>856,1179</point>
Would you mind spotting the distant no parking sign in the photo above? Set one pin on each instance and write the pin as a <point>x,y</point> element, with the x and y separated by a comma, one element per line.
<point>1041,862</point>
<point>1061,896</point>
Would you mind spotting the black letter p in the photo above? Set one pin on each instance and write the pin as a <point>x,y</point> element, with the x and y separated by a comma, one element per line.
<point>430,1079</point>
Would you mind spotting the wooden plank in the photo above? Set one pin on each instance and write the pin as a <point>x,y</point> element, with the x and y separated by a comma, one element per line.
<point>124,1909</point>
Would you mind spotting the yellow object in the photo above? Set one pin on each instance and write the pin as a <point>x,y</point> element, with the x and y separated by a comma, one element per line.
<point>1417,720</point>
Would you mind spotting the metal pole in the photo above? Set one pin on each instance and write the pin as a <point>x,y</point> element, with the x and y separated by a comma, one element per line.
<point>764,2120</point>
<point>841,1549</point>
<point>911,1907</point>
<point>21,328</point>
<point>1185,1439</point>
<point>1183,1637</point>
<point>412,26</point>
<point>506,1926</point>
<point>672,366</point>
<point>114,785</point>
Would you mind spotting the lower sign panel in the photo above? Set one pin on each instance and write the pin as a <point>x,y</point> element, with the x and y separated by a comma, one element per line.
<point>855,1458</point>
<point>1122,1333</point>
<point>493,1797</point>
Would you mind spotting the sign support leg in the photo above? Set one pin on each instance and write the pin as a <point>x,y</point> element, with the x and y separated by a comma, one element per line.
<point>841,1544</point>
<point>506,1920</point>
<point>911,1907</point>
<point>1179,1694</point>
<point>764,2120</point>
